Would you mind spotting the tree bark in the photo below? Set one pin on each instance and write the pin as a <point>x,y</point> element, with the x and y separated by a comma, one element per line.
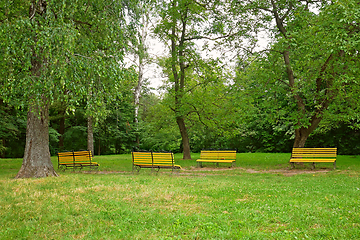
<point>36,161</point>
<point>185,138</point>
<point>90,135</point>
<point>301,135</point>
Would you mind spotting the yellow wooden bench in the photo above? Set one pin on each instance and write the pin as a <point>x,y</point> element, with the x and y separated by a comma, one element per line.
<point>76,159</point>
<point>153,160</point>
<point>217,156</point>
<point>313,155</point>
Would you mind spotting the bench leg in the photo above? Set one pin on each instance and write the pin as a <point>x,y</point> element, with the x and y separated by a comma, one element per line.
<point>313,166</point>
<point>199,164</point>
<point>334,165</point>
<point>176,170</point>
<point>62,168</point>
<point>292,165</point>
<point>94,167</point>
<point>233,164</point>
<point>137,168</point>
<point>156,169</point>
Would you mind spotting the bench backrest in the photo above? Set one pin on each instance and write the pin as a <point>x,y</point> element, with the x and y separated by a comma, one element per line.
<point>141,157</point>
<point>153,158</point>
<point>313,153</point>
<point>218,155</point>
<point>73,157</point>
<point>163,158</point>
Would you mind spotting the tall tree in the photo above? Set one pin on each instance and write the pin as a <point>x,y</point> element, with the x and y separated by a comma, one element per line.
<point>182,24</point>
<point>48,46</point>
<point>312,57</point>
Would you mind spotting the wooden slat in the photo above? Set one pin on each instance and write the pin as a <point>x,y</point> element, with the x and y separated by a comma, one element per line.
<point>163,158</point>
<point>216,161</point>
<point>142,157</point>
<point>311,160</point>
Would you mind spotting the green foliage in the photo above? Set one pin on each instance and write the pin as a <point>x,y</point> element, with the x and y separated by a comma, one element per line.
<point>309,74</point>
<point>12,131</point>
<point>75,138</point>
<point>342,136</point>
<point>76,46</point>
<point>116,134</point>
<point>157,128</point>
<point>54,141</point>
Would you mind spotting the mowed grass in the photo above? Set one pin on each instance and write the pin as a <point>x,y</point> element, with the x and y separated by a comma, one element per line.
<point>212,203</point>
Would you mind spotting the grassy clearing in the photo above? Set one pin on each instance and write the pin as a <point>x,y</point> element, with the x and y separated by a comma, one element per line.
<point>225,204</point>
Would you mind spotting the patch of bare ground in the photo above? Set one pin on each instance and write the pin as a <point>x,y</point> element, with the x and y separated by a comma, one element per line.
<point>288,172</point>
<point>208,170</point>
<point>285,172</point>
<point>103,172</point>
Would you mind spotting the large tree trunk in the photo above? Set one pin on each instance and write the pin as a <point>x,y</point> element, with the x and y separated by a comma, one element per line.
<point>301,135</point>
<point>185,138</point>
<point>90,135</point>
<point>36,161</point>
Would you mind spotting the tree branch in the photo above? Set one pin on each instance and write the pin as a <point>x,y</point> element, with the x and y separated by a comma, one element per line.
<point>287,12</point>
<point>79,22</point>
<point>322,70</point>
<point>208,38</point>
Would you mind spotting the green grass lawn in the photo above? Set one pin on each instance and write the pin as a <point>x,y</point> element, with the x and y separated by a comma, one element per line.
<point>210,203</point>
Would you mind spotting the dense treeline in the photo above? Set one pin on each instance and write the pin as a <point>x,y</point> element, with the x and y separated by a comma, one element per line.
<point>117,133</point>
<point>63,75</point>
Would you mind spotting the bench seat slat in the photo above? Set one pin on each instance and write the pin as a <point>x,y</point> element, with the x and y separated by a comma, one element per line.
<point>78,163</point>
<point>298,155</point>
<point>312,160</point>
<point>158,166</point>
<point>216,161</point>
